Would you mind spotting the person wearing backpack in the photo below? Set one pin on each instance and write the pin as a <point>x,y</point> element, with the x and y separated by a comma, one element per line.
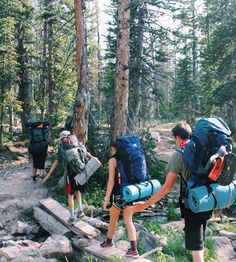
<point>114,203</point>
<point>72,188</point>
<point>38,146</point>
<point>195,223</point>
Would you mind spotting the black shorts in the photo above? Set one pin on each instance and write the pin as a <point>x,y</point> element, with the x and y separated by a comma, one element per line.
<point>39,153</point>
<point>195,226</point>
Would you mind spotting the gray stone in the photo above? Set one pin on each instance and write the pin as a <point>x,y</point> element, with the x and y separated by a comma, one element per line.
<point>224,249</point>
<point>56,246</point>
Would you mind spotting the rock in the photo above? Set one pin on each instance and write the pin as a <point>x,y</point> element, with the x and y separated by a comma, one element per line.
<point>156,136</point>
<point>21,228</point>
<point>224,249</point>
<point>230,235</point>
<point>120,232</point>
<point>123,245</point>
<point>147,241</point>
<point>175,224</point>
<point>56,246</point>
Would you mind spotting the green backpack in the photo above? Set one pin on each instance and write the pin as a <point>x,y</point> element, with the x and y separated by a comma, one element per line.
<point>74,153</point>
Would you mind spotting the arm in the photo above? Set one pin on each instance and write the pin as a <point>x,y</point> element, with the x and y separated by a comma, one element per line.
<point>164,190</point>
<point>53,167</point>
<point>111,181</point>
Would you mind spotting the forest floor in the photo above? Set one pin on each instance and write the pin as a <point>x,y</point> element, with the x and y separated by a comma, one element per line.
<point>19,192</point>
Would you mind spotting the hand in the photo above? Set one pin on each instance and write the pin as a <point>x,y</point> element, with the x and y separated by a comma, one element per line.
<point>105,202</point>
<point>138,206</point>
<point>45,179</point>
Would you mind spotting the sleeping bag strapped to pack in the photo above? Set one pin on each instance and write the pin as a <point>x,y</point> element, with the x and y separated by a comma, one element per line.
<point>210,142</point>
<point>38,131</point>
<point>132,168</point>
<point>74,153</point>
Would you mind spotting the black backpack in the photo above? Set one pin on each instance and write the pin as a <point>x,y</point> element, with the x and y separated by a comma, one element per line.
<point>38,131</point>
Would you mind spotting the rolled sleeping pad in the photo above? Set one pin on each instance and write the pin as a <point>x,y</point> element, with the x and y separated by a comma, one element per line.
<point>200,199</point>
<point>141,190</point>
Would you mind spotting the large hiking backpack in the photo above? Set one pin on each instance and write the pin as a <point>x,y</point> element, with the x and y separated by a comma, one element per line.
<point>74,153</point>
<point>38,131</point>
<point>210,139</point>
<point>132,168</point>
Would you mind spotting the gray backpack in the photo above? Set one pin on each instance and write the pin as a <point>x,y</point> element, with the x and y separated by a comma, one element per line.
<point>74,154</point>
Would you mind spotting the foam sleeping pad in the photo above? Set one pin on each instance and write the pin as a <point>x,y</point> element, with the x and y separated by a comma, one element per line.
<point>200,200</point>
<point>141,190</point>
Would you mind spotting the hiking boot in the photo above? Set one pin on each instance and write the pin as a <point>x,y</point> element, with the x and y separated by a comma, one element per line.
<point>34,178</point>
<point>106,244</point>
<point>132,253</point>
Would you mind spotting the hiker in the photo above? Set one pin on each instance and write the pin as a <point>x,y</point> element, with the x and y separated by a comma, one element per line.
<point>38,146</point>
<point>116,207</point>
<point>195,223</point>
<point>72,188</point>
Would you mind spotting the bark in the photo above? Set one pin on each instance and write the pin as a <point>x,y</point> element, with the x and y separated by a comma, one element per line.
<point>122,71</point>
<point>82,100</point>
<point>24,92</point>
<point>43,73</point>
<point>51,77</point>
<point>137,77</point>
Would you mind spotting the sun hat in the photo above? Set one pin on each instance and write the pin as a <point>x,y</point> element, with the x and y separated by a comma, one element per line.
<point>64,134</point>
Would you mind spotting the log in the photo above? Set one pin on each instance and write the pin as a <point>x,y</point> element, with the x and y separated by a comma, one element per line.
<point>97,223</point>
<point>50,224</point>
<point>157,249</point>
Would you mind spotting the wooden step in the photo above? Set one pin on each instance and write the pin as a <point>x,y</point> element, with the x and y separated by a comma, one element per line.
<point>80,228</point>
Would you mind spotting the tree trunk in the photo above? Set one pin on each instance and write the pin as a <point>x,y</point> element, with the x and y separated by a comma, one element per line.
<point>43,72</point>
<point>122,71</point>
<point>51,78</point>
<point>137,75</point>
<point>24,92</point>
<point>82,100</point>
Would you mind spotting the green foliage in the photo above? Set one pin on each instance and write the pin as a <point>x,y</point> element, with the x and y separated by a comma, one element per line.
<point>171,213</point>
<point>175,248</point>
<point>210,250</point>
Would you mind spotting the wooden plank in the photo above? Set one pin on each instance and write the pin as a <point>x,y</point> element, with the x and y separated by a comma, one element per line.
<point>62,214</point>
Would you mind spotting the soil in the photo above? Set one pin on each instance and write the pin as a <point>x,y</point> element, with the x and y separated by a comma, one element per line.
<point>18,191</point>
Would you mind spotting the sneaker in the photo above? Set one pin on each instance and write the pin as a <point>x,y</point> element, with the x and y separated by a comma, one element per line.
<point>105,244</point>
<point>71,220</point>
<point>132,253</point>
<point>80,214</point>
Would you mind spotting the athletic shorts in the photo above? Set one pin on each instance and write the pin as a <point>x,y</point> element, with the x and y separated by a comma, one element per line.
<point>195,226</point>
<point>72,186</point>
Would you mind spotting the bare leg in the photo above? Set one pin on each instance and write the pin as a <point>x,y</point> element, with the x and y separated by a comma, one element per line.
<point>198,256</point>
<point>128,219</point>
<point>114,215</point>
<point>34,172</point>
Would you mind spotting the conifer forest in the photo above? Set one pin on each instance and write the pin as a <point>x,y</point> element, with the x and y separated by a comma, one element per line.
<point>157,60</point>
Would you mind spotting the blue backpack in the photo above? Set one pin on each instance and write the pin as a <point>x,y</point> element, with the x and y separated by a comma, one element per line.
<point>132,166</point>
<point>208,136</point>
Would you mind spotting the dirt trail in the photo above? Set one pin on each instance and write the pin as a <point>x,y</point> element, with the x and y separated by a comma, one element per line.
<point>17,192</point>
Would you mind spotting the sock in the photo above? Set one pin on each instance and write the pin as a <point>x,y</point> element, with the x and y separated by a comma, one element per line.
<point>72,214</point>
<point>133,245</point>
<point>80,207</point>
<point>109,240</point>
